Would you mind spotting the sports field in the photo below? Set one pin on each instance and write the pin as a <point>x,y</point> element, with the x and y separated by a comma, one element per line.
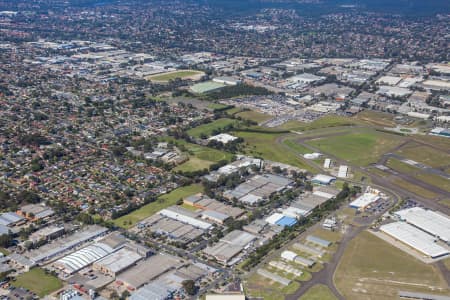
<point>162,202</point>
<point>373,269</point>
<point>266,145</point>
<point>208,129</point>
<point>318,292</point>
<point>359,148</point>
<point>38,281</point>
<point>183,74</point>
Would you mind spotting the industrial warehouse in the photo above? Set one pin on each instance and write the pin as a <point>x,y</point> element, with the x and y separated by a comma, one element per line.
<point>369,197</point>
<point>429,221</point>
<point>415,238</point>
<point>258,188</point>
<point>205,203</point>
<point>230,246</point>
<point>425,231</point>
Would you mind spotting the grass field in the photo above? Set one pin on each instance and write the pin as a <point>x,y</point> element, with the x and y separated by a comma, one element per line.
<point>265,145</point>
<point>424,154</point>
<point>373,269</point>
<point>318,292</point>
<point>254,116</point>
<point>296,147</point>
<point>324,122</point>
<point>258,286</point>
<point>207,129</point>
<point>216,106</point>
<point>164,77</point>
<point>360,148</point>
<point>193,164</point>
<point>162,202</point>
<point>445,202</point>
<point>233,111</point>
<point>431,179</point>
<point>200,157</point>
<point>37,281</point>
<point>376,118</point>
<point>415,189</point>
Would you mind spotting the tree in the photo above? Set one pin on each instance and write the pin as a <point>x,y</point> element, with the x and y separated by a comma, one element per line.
<point>189,287</point>
<point>125,295</point>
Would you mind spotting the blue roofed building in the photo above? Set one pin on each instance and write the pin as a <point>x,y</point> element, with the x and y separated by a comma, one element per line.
<point>286,221</point>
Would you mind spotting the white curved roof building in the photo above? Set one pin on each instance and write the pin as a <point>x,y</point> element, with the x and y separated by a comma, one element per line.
<point>83,257</point>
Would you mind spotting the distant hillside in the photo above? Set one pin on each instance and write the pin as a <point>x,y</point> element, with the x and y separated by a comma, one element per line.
<point>407,7</point>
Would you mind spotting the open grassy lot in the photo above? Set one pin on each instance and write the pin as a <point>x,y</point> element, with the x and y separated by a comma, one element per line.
<point>37,281</point>
<point>207,129</point>
<point>376,118</point>
<point>373,269</point>
<point>233,111</point>
<point>164,77</point>
<point>296,147</point>
<point>360,148</point>
<point>162,202</point>
<point>445,202</point>
<point>324,122</point>
<point>424,154</point>
<point>214,105</point>
<point>258,286</point>
<point>265,145</point>
<point>254,116</point>
<point>200,157</point>
<point>318,292</point>
<point>431,179</point>
<point>436,141</point>
<point>415,189</point>
<point>193,164</point>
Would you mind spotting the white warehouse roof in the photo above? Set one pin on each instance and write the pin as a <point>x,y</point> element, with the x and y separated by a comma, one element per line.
<point>324,179</point>
<point>414,238</point>
<point>185,219</point>
<point>288,255</point>
<point>432,222</point>
<point>84,257</point>
<point>273,219</point>
<point>119,260</point>
<point>364,200</point>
